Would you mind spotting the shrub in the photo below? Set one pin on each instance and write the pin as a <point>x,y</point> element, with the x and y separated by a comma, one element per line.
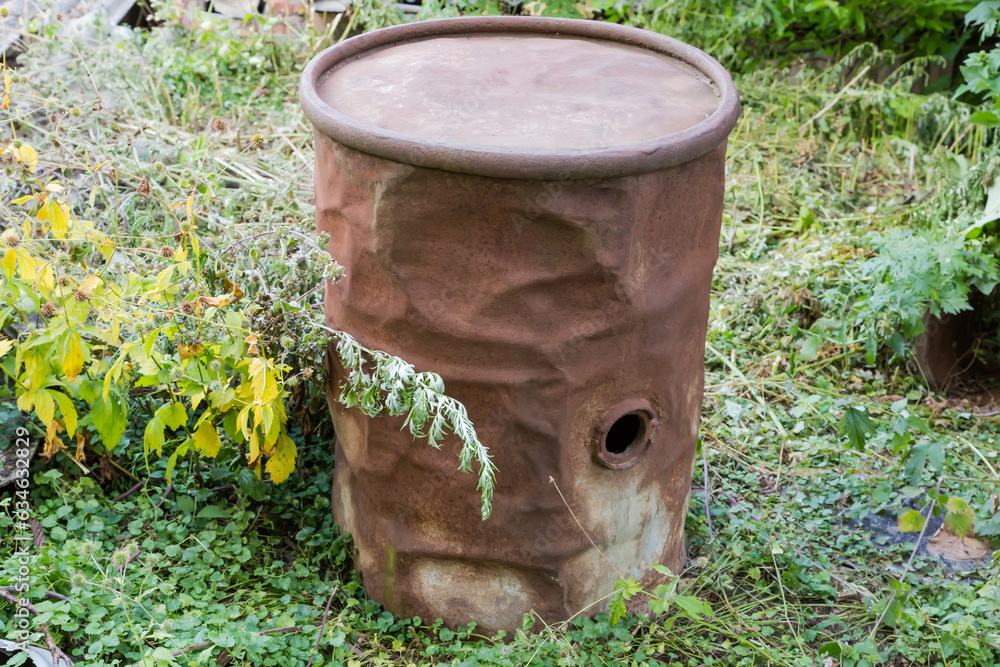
<point>154,268</point>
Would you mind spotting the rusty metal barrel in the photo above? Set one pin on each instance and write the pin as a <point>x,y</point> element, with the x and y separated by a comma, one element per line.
<point>530,208</point>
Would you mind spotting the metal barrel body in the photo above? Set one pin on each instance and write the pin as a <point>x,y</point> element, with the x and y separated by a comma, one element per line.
<point>564,299</point>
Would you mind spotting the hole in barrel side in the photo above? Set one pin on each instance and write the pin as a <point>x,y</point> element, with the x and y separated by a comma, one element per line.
<point>625,433</point>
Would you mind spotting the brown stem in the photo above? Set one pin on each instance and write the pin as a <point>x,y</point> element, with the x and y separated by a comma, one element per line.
<point>128,493</point>
<point>58,657</point>
<point>166,492</point>
<point>322,627</point>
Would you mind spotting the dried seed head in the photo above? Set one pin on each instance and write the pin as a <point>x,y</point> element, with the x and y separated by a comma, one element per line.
<point>143,188</point>
<point>10,239</point>
<point>187,307</point>
<point>119,559</point>
<point>988,180</point>
<point>307,373</point>
<point>219,125</point>
<point>166,252</point>
<point>257,141</point>
<point>48,309</point>
<point>62,281</point>
<point>80,295</point>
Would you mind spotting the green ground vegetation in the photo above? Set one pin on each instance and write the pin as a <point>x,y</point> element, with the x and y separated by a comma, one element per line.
<point>180,155</point>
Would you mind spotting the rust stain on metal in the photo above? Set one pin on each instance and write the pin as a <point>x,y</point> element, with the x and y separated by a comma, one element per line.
<point>561,291</point>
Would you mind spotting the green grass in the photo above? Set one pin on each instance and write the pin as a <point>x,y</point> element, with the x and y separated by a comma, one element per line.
<point>813,170</point>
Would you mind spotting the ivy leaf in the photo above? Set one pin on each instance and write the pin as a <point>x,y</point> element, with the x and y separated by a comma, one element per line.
<point>212,512</point>
<point>857,426</point>
<point>911,522</point>
<point>919,456</point>
<point>810,348</point>
<point>250,485</point>
<point>991,527</point>
<point>960,519</point>
<point>19,658</point>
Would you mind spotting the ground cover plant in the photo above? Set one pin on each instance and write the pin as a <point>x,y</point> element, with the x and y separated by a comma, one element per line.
<point>180,156</point>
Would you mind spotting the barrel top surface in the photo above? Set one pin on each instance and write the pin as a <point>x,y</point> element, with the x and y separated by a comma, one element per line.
<point>528,92</point>
<point>521,97</point>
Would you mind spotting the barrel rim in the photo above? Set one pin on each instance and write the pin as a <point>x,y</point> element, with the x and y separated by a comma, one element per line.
<point>642,157</point>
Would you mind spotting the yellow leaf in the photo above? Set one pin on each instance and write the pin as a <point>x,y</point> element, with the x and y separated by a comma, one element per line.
<point>206,438</point>
<point>8,263</point>
<point>91,282</point>
<point>73,356</point>
<point>36,367</point>
<point>25,401</point>
<point>215,301</point>
<point>180,254</point>
<point>163,278</point>
<point>26,154</point>
<point>25,264</point>
<point>196,400</point>
<point>187,351</point>
<point>57,215</point>
<point>251,340</point>
<point>24,199</point>
<point>281,465</point>
<point>5,346</point>
<point>253,451</point>
<point>53,443</point>
<point>233,288</point>
<point>81,443</point>
<point>45,406</point>
<point>69,416</point>
<point>44,277</point>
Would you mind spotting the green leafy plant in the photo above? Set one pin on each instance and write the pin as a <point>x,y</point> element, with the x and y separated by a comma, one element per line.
<point>981,70</point>
<point>123,302</point>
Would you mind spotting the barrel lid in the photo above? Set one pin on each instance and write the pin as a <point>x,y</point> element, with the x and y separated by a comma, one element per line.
<point>521,97</point>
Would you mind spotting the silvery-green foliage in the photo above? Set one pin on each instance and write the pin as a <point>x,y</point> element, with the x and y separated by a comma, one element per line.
<point>379,382</point>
